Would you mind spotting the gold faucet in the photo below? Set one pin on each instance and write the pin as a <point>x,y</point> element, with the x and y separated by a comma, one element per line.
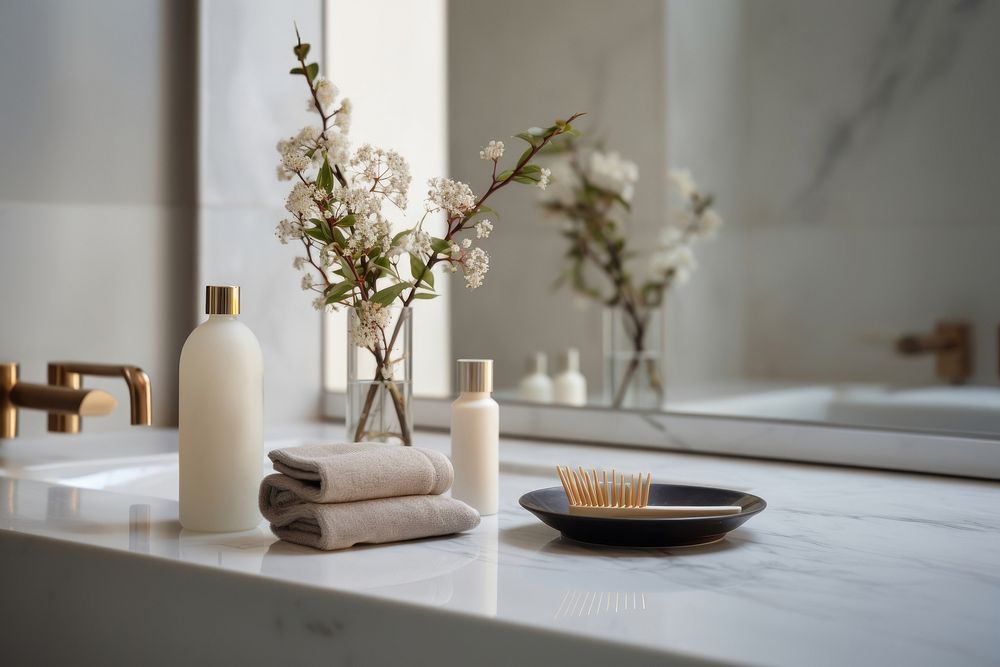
<point>951,343</point>
<point>64,398</point>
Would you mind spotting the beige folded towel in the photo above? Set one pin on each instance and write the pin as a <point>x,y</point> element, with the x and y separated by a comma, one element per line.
<point>360,471</point>
<point>332,526</point>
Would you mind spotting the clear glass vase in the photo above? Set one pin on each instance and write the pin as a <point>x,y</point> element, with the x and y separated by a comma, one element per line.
<point>379,378</point>
<point>633,358</point>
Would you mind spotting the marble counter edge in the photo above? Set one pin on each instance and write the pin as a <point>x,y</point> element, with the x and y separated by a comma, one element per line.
<point>561,644</point>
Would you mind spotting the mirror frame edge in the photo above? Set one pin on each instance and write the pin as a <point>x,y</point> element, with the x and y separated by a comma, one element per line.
<point>800,442</point>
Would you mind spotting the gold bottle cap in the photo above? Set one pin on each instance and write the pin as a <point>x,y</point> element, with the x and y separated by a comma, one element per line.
<point>222,299</point>
<point>475,375</point>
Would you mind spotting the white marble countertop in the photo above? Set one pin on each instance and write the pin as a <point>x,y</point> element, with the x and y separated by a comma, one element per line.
<point>845,566</point>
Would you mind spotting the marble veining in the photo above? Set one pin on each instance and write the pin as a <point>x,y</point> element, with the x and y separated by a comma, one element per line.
<point>845,566</point>
<point>918,43</point>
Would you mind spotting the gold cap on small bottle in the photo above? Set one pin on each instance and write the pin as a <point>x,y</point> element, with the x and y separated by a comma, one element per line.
<point>475,375</point>
<point>222,299</point>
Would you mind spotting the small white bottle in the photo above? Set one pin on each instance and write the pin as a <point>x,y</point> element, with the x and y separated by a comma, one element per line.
<point>570,385</point>
<point>536,386</point>
<point>475,437</point>
<point>221,419</point>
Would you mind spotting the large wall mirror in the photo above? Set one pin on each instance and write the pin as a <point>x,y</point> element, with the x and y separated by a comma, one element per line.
<point>779,209</point>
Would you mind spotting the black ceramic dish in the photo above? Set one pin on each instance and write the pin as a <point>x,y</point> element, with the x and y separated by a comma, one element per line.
<point>550,505</point>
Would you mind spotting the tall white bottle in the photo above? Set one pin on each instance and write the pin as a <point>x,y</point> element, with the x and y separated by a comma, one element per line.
<point>570,386</point>
<point>536,386</point>
<point>475,437</point>
<point>221,419</point>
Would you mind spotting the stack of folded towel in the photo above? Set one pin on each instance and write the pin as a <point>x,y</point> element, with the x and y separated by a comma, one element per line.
<point>336,496</point>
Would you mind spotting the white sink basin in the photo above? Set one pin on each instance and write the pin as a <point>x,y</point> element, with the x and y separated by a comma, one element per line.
<point>974,410</point>
<point>141,462</point>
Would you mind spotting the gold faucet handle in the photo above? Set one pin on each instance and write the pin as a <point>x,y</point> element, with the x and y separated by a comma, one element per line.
<point>951,342</point>
<point>69,374</point>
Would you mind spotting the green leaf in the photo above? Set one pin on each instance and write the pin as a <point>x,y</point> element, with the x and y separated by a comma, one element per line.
<point>301,51</point>
<point>338,237</point>
<point>425,295</point>
<point>296,70</point>
<point>400,235</point>
<point>311,71</point>
<point>347,221</point>
<point>532,139</point>
<point>527,180</point>
<point>385,270</point>
<point>319,233</point>
<point>440,245</point>
<point>419,270</point>
<point>387,295</point>
<point>525,156</point>
<point>337,292</point>
<point>324,178</point>
<point>530,169</point>
<point>504,175</point>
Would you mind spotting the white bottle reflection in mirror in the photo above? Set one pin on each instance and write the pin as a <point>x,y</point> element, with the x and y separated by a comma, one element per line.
<point>570,386</point>
<point>475,437</point>
<point>536,386</point>
<point>221,419</point>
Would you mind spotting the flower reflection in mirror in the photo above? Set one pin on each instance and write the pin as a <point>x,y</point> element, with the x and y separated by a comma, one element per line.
<point>591,194</point>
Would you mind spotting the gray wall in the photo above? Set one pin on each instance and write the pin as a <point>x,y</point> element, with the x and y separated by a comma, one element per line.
<point>97,190</point>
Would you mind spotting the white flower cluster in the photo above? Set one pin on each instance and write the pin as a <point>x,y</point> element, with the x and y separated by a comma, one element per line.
<point>360,201</point>
<point>418,242</point>
<point>454,197</point>
<point>483,229</point>
<point>307,282</point>
<point>682,181</point>
<point>493,151</point>
<point>293,152</point>
<point>697,218</point>
<point>326,94</point>
<point>368,233</point>
<point>563,183</point>
<point>383,171</point>
<point>295,162</point>
<point>301,201</point>
<point>707,224</point>
<point>288,230</point>
<point>372,319</point>
<point>609,171</point>
<point>474,266</point>
<point>544,175</point>
<point>335,145</point>
<point>673,256</point>
<point>342,119</point>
